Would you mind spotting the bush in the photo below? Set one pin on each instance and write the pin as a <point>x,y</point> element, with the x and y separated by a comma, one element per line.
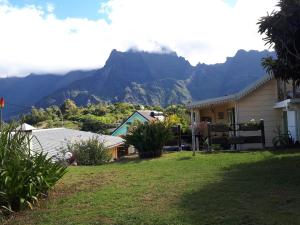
<point>90,152</point>
<point>149,138</point>
<point>282,140</point>
<point>24,176</point>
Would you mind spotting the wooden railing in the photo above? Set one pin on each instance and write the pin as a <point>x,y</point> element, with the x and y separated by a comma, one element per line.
<point>233,135</point>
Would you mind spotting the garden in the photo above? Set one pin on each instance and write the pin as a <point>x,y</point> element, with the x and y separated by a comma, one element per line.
<point>259,188</point>
<point>256,187</point>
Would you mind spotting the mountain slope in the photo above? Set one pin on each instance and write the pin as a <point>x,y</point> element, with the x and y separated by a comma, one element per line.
<point>22,93</point>
<point>138,77</point>
<point>227,78</point>
<point>162,79</point>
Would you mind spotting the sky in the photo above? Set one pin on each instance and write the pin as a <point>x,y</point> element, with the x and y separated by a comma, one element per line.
<point>57,36</point>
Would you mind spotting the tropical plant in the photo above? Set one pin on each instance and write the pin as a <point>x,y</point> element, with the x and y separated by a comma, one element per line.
<point>282,31</point>
<point>149,138</point>
<point>90,152</point>
<point>282,140</point>
<point>24,175</point>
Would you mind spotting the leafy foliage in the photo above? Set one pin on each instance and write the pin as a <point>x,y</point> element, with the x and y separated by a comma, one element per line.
<point>69,108</point>
<point>282,140</point>
<point>178,115</point>
<point>98,118</point>
<point>24,176</point>
<point>90,152</point>
<point>149,138</point>
<point>282,30</point>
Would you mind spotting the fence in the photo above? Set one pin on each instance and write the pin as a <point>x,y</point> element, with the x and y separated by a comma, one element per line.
<point>179,139</point>
<point>232,134</point>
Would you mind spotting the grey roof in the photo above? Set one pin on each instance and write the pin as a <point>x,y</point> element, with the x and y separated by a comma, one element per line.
<point>146,114</point>
<point>53,140</point>
<point>234,97</point>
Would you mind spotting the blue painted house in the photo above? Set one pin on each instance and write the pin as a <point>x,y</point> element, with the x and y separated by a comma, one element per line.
<point>142,116</point>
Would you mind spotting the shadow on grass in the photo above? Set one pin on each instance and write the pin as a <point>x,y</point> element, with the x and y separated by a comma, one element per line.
<point>185,158</point>
<point>137,159</point>
<point>285,151</point>
<point>261,193</point>
<point>130,160</point>
<point>273,151</point>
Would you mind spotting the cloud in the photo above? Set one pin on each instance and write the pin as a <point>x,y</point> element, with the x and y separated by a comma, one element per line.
<point>34,40</point>
<point>50,7</point>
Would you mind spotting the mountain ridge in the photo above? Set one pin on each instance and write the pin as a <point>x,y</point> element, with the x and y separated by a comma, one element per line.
<point>137,77</point>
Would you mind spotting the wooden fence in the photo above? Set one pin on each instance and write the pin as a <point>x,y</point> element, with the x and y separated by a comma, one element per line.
<point>236,134</point>
<point>179,138</point>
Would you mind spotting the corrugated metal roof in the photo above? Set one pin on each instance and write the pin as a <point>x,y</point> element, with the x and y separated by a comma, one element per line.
<point>147,114</point>
<point>53,140</point>
<point>233,97</point>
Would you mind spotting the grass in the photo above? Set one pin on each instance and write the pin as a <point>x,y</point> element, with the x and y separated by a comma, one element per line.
<point>260,188</point>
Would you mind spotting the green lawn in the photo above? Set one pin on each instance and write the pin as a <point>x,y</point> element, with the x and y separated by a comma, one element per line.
<point>256,188</point>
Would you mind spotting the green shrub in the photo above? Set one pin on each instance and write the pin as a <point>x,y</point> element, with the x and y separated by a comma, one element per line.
<point>24,176</point>
<point>90,152</point>
<point>149,138</point>
<point>282,140</point>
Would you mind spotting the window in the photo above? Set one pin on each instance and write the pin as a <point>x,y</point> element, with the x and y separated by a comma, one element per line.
<point>220,115</point>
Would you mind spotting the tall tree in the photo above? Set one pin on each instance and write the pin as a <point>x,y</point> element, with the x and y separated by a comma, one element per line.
<point>282,30</point>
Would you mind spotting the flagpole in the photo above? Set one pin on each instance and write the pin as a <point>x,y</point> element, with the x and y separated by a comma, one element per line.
<point>1,108</point>
<point>1,118</point>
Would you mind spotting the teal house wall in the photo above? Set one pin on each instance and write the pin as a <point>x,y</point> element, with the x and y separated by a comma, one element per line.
<point>122,130</point>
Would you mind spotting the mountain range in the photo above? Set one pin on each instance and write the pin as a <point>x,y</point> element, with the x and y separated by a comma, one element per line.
<point>137,77</point>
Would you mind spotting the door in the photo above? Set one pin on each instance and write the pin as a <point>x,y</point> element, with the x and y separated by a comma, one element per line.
<point>231,116</point>
<point>231,120</point>
<point>292,124</point>
<point>285,122</point>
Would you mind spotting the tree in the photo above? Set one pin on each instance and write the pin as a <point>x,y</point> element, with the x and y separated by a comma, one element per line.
<point>282,30</point>
<point>149,138</point>
<point>69,108</point>
<point>179,115</point>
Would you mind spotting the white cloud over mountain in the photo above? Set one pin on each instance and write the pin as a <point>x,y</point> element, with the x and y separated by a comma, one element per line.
<point>35,40</point>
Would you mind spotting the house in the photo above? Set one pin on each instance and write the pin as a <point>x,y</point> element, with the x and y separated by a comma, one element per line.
<point>268,99</point>
<point>139,115</point>
<point>53,140</point>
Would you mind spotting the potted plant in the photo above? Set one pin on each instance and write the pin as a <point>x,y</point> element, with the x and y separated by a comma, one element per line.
<point>252,125</point>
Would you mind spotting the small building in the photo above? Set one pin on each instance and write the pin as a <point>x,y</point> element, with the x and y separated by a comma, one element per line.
<point>141,116</point>
<point>274,101</point>
<point>53,140</point>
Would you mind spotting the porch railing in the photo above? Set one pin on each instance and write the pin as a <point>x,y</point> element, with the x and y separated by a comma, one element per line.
<point>236,134</point>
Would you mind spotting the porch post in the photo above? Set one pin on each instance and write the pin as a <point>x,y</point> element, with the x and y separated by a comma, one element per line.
<point>236,118</point>
<point>198,120</point>
<point>193,131</point>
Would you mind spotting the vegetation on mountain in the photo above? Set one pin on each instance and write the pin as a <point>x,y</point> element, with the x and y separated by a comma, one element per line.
<point>99,118</point>
<point>161,79</point>
<point>135,77</point>
<point>282,30</point>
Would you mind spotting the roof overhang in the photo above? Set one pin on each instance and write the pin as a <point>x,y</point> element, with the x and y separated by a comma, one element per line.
<point>213,101</point>
<point>231,98</point>
<point>287,103</point>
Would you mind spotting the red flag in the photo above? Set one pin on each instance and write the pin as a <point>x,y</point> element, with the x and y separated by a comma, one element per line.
<point>2,102</point>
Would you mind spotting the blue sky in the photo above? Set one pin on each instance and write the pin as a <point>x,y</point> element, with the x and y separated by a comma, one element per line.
<point>68,8</point>
<point>231,2</point>
<point>75,8</point>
